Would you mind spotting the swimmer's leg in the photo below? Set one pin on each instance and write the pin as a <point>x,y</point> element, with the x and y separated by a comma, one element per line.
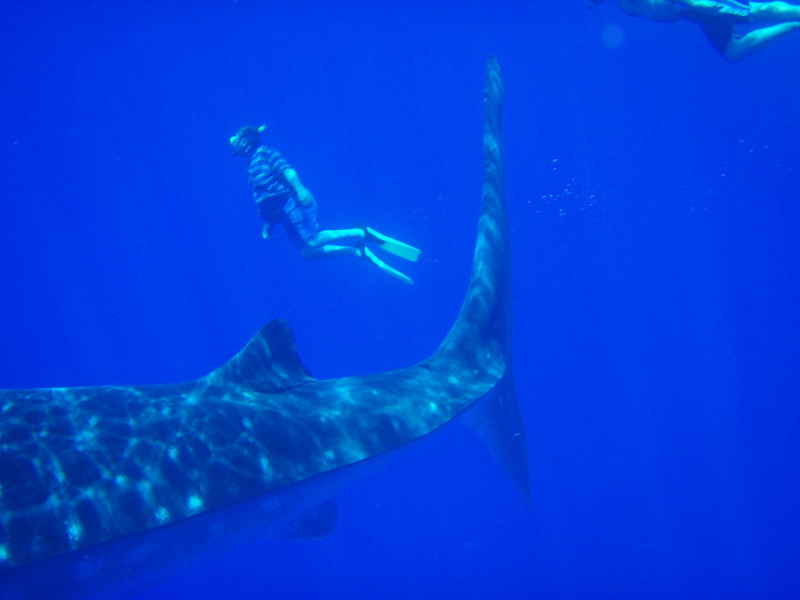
<point>756,40</point>
<point>319,245</point>
<point>327,236</point>
<point>310,252</point>
<point>775,12</point>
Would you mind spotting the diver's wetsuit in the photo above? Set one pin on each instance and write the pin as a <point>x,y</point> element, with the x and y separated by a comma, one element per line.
<point>276,200</point>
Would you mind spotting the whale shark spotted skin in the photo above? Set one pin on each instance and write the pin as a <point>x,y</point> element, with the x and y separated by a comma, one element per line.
<point>88,473</point>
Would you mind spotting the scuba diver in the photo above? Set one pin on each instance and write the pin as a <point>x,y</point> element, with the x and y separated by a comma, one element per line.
<point>282,198</point>
<point>719,18</point>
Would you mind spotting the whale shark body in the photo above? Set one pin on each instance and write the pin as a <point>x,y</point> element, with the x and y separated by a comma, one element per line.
<point>102,483</point>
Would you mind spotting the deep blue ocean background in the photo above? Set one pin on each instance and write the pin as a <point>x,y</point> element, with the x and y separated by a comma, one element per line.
<point>653,198</point>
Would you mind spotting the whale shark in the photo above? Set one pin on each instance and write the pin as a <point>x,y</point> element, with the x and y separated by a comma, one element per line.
<point>99,484</point>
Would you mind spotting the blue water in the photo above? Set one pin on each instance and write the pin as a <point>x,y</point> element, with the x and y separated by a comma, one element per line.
<point>653,196</point>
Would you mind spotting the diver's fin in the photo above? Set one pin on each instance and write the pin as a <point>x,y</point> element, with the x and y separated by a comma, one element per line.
<point>390,245</point>
<point>367,255</point>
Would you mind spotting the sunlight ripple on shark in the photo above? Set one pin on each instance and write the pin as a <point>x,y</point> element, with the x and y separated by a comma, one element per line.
<point>99,483</point>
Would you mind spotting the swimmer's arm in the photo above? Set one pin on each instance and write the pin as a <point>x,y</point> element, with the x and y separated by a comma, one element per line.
<point>294,180</point>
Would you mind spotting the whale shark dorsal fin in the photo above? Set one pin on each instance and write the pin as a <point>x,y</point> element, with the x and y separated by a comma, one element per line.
<point>268,364</point>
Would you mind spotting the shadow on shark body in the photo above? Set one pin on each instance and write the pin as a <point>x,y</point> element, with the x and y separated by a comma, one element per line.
<point>105,484</point>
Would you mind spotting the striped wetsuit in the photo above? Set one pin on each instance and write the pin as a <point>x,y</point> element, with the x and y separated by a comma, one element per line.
<point>276,199</point>
<point>270,190</point>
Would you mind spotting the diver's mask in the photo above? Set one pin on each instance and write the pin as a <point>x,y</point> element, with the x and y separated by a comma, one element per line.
<point>246,139</point>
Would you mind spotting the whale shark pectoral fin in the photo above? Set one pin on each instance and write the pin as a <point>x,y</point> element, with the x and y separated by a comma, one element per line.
<point>319,522</point>
<point>268,364</point>
<point>497,420</point>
